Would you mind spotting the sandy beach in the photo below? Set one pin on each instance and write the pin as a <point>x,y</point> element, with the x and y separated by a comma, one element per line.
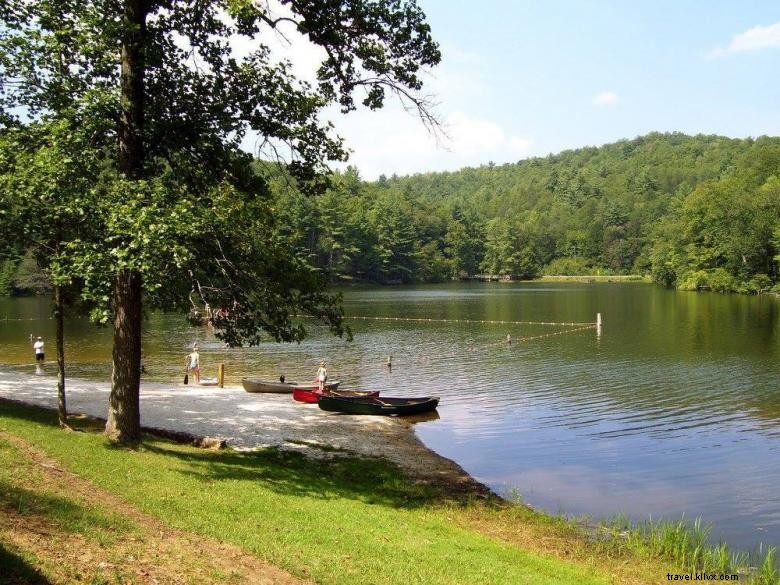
<point>248,421</point>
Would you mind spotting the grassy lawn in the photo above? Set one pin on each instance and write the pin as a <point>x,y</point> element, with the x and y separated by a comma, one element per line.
<point>345,520</point>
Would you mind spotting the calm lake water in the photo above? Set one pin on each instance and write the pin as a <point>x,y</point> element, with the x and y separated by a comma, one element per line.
<point>674,410</point>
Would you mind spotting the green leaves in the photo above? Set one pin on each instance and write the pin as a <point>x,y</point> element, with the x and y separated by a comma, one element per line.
<point>188,213</point>
<point>721,238</point>
<point>678,204</point>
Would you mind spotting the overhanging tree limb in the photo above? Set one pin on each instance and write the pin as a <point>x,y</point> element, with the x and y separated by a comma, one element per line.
<point>165,137</point>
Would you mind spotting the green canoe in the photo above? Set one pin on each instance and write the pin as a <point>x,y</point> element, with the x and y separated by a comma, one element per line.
<point>380,406</point>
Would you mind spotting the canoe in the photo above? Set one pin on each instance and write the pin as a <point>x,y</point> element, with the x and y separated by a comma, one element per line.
<point>311,396</point>
<point>379,406</point>
<point>258,385</point>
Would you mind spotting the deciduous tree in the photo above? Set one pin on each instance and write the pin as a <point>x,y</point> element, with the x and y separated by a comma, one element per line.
<point>178,206</point>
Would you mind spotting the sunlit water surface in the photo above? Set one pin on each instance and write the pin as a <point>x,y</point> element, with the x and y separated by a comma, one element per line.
<point>674,410</point>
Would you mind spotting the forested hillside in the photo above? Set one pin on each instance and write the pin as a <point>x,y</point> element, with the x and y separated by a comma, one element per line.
<point>695,212</point>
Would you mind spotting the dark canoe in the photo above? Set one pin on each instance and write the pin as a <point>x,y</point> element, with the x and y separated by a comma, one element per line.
<point>258,385</point>
<point>380,406</point>
<point>311,396</point>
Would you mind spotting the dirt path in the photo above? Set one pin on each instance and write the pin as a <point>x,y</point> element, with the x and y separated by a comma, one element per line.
<point>149,552</point>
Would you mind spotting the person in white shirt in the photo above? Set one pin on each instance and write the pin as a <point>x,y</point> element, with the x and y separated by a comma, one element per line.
<point>193,364</point>
<point>38,347</point>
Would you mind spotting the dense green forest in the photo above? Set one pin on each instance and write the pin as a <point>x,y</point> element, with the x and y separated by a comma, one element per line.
<point>696,212</point>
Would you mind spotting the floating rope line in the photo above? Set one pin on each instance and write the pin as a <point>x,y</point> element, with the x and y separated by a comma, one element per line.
<point>469,321</point>
<point>508,342</point>
<point>554,334</point>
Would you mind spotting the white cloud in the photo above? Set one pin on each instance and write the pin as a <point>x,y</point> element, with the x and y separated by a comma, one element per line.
<point>476,137</point>
<point>393,141</point>
<point>285,43</point>
<point>754,39</point>
<point>605,99</point>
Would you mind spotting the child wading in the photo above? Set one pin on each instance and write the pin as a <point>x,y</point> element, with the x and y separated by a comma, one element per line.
<point>193,364</point>
<point>322,376</point>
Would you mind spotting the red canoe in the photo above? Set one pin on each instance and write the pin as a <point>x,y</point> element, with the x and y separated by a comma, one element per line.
<point>311,396</point>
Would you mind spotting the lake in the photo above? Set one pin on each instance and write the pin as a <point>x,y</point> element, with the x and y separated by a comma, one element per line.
<point>674,410</point>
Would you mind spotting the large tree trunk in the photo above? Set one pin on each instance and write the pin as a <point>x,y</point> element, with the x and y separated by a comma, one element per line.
<point>124,421</point>
<point>124,415</point>
<point>131,116</point>
<point>59,316</point>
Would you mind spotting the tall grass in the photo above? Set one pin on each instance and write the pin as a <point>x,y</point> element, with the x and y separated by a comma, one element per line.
<point>688,546</point>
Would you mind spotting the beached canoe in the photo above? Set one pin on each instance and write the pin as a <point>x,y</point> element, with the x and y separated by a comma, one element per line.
<point>258,385</point>
<point>380,406</point>
<point>311,396</point>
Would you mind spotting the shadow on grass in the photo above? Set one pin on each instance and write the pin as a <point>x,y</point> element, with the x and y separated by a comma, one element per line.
<point>67,514</point>
<point>17,409</point>
<point>14,570</point>
<point>373,481</point>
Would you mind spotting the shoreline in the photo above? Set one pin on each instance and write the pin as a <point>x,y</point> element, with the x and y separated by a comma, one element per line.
<point>244,421</point>
<point>187,512</point>
<point>383,438</point>
<point>594,278</point>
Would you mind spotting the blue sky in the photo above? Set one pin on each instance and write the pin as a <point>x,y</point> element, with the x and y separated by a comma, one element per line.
<point>520,79</point>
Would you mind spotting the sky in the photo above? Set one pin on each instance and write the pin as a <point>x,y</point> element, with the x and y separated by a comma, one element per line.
<point>529,78</point>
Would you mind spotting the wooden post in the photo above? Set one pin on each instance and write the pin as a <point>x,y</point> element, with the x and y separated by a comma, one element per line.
<point>221,376</point>
<point>598,324</point>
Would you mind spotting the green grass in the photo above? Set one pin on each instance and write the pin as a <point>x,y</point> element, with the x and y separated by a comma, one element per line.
<point>25,492</point>
<point>346,520</point>
<point>64,512</point>
<point>687,545</point>
<point>341,520</point>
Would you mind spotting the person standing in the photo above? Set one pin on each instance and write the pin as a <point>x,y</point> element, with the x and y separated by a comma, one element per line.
<point>39,353</point>
<point>322,376</point>
<point>193,364</point>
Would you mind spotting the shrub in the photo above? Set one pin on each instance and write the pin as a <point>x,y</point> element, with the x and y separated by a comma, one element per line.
<point>761,282</point>
<point>570,266</point>
<point>720,280</point>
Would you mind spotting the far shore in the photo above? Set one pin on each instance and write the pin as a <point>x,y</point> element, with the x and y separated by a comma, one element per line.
<point>595,278</point>
<point>351,281</point>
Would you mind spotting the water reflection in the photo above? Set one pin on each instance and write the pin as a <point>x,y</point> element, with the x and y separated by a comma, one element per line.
<point>423,418</point>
